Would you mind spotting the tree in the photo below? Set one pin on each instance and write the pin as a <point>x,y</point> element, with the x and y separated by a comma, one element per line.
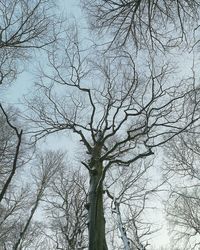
<point>119,112</point>
<point>183,205</point>
<point>129,190</point>
<point>147,24</point>
<point>10,135</point>
<point>47,166</point>
<point>13,198</point>
<point>65,207</point>
<point>12,209</point>
<point>25,26</point>
<point>183,217</point>
<point>18,228</point>
<point>119,115</point>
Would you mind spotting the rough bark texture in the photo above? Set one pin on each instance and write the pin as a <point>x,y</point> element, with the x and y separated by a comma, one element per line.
<point>97,240</point>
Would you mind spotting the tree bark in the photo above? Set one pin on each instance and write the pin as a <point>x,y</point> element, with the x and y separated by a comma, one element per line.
<point>14,167</point>
<point>97,239</point>
<point>121,228</point>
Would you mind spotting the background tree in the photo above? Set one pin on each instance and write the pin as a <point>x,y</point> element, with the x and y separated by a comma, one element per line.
<point>183,218</point>
<point>130,190</point>
<point>12,210</point>
<point>147,24</point>
<point>24,26</point>
<point>46,167</point>
<point>182,207</point>
<point>11,140</point>
<point>65,207</point>
<point>21,203</point>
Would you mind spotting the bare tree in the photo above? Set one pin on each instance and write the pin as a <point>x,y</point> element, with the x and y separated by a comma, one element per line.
<point>183,217</point>
<point>130,190</point>
<point>25,25</point>
<point>11,139</point>
<point>119,115</point>
<point>182,208</point>
<point>152,24</point>
<point>65,207</point>
<point>12,210</point>
<point>46,167</point>
<point>21,201</point>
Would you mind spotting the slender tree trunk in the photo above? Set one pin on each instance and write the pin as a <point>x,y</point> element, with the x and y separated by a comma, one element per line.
<point>121,227</point>
<point>97,240</point>
<point>14,167</point>
<point>24,230</point>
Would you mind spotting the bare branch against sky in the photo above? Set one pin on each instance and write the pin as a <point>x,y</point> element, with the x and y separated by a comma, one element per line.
<point>116,88</point>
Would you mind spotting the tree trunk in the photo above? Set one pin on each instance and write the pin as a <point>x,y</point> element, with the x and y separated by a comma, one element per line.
<point>14,167</point>
<point>26,226</point>
<point>97,240</point>
<point>121,228</point>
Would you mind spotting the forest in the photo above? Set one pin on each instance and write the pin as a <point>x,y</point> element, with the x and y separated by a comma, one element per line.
<point>99,125</point>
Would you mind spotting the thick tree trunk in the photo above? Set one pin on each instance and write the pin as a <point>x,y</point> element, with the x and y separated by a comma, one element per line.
<point>97,240</point>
